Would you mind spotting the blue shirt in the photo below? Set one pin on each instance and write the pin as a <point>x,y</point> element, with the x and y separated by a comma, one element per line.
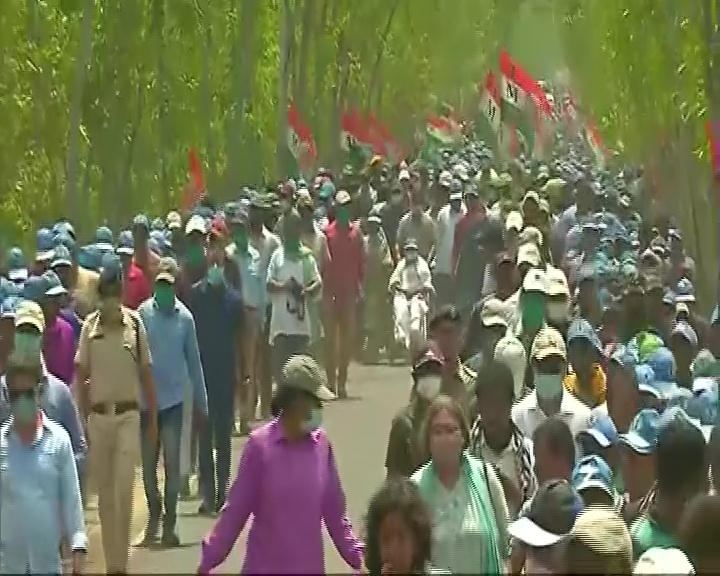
<point>39,500</point>
<point>218,313</point>
<point>174,348</point>
<point>252,281</point>
<point>58,404</point>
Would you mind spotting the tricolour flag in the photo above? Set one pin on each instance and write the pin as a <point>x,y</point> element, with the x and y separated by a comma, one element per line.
<point>490,102</point>
<point>440,131</point>
<point>300,140</point>
<point>594,141</point>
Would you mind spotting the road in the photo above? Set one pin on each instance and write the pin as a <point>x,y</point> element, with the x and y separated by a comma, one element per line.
<point>358,428</point>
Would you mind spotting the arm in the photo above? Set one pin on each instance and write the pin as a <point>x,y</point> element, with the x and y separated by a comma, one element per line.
<point>82,371</point>
<point>147,383</point>
<point>70,501</point>
<point>315,283</point>
<point>70,420</point>
<point>194,366</point>
<point>457,238</point>
<point>499,508</point>
<point>335,516</point>
<point>244,493</point>
<point>396,276</point>
<point>273,286</point>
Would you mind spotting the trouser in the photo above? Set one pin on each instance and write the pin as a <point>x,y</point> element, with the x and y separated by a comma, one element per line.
<point>187,441</point>
<point>250,391</point>
<point>114,448</point>
<point>214,452</point>
<point>263,367</point>
<point>284,346</point>
<point>339,319</point>
<point>409,317</point>
<point>169,425</point>
<point>443,284</point>
<point>377,318</point>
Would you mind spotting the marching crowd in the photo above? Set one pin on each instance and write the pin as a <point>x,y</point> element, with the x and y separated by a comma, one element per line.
<point>562,391</point>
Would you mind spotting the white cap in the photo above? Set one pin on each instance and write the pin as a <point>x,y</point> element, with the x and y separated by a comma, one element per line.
<point>510,351</point>
<point>404,175</point>
<point>664,561</point>
<point>461,172</point>
<point>557,284</point>
<point>445,179</point>
<point>196,224</point>
<point>493,313</point>
<point>528,253</point>
<point>514,221</point>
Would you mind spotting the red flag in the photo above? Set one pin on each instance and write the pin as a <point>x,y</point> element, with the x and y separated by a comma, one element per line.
<point>713,136</point>
<point>196,187</point>
<point>300,140</point>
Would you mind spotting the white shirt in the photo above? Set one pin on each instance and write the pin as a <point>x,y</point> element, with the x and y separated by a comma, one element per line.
<point>445,236</point>
<point>411,277</point>
<point>281,269</point>
<point>527,414</point>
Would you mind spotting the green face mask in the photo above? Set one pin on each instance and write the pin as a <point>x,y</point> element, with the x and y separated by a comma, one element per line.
<point>195,254</point>
<point>241,239</point>
<point>164,295</point>
<point>342,215</point>
<point>532,310</point>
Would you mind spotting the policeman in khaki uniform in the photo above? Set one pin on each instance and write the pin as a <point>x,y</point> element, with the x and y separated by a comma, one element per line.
<point>112,355</point>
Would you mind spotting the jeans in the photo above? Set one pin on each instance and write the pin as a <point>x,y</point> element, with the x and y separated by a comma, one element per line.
<point>169,423</point>
<point>216,435</point>
<point>284,346</point>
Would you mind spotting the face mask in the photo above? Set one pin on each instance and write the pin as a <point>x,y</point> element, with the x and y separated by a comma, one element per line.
<point>27,344</point>
<point>428,387</point>
<point>215,275</point>
<point>411,256</point>
<point>532,310</point>
<point>195,254</point>
<point>314,422</point>
<point>164,296</point>
<point>24,409</point>
<point>241,239</point>
<point>343,215</point>
<point>548,386</point>
<point>557,311</point>
<point>396,199</point>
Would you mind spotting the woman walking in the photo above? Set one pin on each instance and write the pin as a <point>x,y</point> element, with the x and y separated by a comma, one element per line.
<point>288,480</point>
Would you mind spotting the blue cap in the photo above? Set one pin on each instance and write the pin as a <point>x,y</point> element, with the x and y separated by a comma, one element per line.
<point>126,244</point>
<point>703,405</point>
<point>643,432</point>
<point>141,221</point>
<point>684,291</point>
<point>35,288</point>
<point>673,413</point>
<point>61,257</point>
<point>64,239</point>
<point>17,265</point>
<point>104,238</point>
<point>110,269</point>
<point>9,306</point>
<point>89,257</point>
<point>593,472</point>
<point>602,429</point>
<point>64,227</point>
<point>645,376</point>
<point>53,286</point>
<point>44,245</point>
<point>581,329</point>
<point>662,362</point>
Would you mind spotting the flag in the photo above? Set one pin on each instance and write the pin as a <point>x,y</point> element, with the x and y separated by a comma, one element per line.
<point>713,136</point>
<point>355,138</point>
<point>594,141</point>
<point>377,135</point>
<point>300,140</point>
<point>195,188</point>
<point>490,101</point>
<point>439,132</point>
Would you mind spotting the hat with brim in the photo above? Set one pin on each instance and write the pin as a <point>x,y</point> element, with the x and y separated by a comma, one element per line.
<point>595,484</point>
<point>124,250</point>
<point>61,262</point>
<point>104,246</point>
<point>598,436</point>
<point>304,373</point>
<point>56,291</point>
<point>525,530</point>
<point>650,390</point>
<point>18,275</point>
<point>374,219</point>
<point>636,443</point>
<point>44,256</point>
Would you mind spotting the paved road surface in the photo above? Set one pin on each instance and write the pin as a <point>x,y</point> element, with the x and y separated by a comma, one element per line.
<point>358,428</point>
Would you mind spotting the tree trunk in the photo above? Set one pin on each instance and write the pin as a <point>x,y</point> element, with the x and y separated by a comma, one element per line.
<point>370,95</point>
<point>286,40</point>
<point>307,30</point>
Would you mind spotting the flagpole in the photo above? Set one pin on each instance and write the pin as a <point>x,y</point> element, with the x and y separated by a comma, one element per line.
<point>713,72</point>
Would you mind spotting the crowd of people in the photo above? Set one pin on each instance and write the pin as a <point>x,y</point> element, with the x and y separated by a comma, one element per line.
<point>562,389</point>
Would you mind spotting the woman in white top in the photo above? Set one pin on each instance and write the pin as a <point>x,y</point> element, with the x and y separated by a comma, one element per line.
<point>464,495</point>
<point>411,287</point>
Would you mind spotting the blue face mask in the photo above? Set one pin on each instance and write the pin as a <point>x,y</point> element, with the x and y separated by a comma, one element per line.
<point>315,420</point>
<point>216,275</point>
<point>27,344</point>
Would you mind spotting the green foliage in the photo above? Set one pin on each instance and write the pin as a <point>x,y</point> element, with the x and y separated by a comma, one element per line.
<point>102,99</point>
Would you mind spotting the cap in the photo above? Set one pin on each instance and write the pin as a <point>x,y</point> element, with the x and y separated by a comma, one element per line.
<point>602,429</point>
<point>63,227</point>
<point>30,313</point>
<point>602,530</point>
<point>141,221</point>
<point>493,313</point>
<point>641,437</point>
<point>445,179</point>
<point>110,270</point>
<point>684,291</point>
<point>659,358</point>
<point>53,286</point>
<point>510,351</point>
<point>303,372</point>
<point>17,265</point>
<point>125,243</point>
<point>410,244</point>
<point>535,281</point>
<point>34,288</point>
<point>342,197</point>
<point>531,195</point>
<point>550,517</point>
<point>548,342</point>
<point>104,238</point>
<point>663,561</point>
<point>557,284</point>
<point>685,331</point>
<point>593,472</point>
<point>404,174</point>
<point>167,270</point>
<point>61,257</point>
<point>304,199</point>
<point>528,254</point>
<point>173,220</point>
<point>196,223</point>
<point>581,329</point>
<point>514,221</point>
<point>44,245</point>
<point>645,376</point>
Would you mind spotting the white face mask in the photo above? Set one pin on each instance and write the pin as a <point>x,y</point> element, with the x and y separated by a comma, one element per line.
<point>548,385</point>
<point>556,311</point>
<point>428,387</point>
